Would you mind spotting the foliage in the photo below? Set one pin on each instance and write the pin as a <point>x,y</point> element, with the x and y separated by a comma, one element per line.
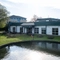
<point>3,16</point>
<point>50,37</point>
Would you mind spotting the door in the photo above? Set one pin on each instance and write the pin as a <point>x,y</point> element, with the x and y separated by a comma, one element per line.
<point>21,30</point>
<point>14,30</point>
<point>29,30</point>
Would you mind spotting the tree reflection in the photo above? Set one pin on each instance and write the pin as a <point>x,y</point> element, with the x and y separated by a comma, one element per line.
<point>3,52</point>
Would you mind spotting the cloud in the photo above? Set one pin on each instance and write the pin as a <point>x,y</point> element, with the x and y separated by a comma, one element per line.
<point>50,3</point>
<point>27,8</point>
<point>5,3</point>
<point>42,3</point>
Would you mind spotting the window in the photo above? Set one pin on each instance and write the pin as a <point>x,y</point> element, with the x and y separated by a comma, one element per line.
<point>55,31</point>
<point>43,30</point>
<point>36,30</point>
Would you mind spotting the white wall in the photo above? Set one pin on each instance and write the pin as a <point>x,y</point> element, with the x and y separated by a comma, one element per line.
<point>11,28</point>
<point>40,32</point>
<point>32,30</point>
<point>25,30</point>
<point>49,29</point>
<point>22,20</point>
<point>59,31</point>
<point>18,29</point>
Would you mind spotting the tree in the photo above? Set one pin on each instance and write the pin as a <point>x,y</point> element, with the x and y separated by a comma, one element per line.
<point>3,16</point>
<point>3,52</point>
<point>34,18</point>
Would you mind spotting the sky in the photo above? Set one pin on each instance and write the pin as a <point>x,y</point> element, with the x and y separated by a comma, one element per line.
<point>29,8</point>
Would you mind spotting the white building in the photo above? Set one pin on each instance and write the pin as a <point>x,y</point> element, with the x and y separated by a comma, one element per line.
<point>42,27</point>
<point>15,18</point>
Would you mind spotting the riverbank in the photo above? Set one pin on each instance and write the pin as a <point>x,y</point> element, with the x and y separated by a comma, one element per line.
<point>5,39</point>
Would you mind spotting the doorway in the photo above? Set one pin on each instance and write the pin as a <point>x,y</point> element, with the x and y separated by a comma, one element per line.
<point>21,30</point>
<point>14,30</point>
<point>29,30</point>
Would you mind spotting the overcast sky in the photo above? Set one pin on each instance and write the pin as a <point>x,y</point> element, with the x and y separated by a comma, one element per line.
<point>28,8</point>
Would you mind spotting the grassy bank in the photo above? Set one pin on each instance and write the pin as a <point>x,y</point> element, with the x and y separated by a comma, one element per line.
<point>4,39</point>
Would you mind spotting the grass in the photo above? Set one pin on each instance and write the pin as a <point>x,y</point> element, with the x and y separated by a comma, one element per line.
<point>4,39</point>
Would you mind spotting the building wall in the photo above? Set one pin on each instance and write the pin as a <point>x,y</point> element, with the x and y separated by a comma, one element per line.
<point>22,20</point>
<point>18,29</point>
<point>59,30</point>
<point>32,30</point>
<point>11,28</point>
<point>40,32</point>
<point>48,29</point>
<point>14,18</point>
<point>25,30</point>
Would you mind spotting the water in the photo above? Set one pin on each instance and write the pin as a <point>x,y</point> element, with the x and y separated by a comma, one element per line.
<point>30,51</point>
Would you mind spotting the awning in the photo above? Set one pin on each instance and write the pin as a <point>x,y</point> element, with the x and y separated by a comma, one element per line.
<point>27,25</point>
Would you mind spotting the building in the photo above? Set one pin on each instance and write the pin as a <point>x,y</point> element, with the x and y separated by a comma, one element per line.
<point>42,27</point>
<point>15,18</point>
<point>37,19</point>
<point>46,19</point>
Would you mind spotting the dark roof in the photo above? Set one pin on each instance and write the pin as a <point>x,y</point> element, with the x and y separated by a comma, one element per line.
<point>49,23</point>
<point>42,23</point>
<point>48,19</point>
<point>17,16</point>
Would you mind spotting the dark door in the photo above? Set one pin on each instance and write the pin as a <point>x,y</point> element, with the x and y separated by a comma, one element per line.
<point>29,30</point>
<point>21,30</point>
<point>14,30</point>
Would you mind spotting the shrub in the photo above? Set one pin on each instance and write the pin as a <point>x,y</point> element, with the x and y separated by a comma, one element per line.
<point>50,37</point>
<point>38,35</point>
<point>41,36</point>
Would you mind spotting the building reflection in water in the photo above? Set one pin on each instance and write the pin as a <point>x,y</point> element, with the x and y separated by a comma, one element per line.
<point>30,50</point>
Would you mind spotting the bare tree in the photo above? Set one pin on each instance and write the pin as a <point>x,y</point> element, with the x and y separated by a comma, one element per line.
<point>34,18</point>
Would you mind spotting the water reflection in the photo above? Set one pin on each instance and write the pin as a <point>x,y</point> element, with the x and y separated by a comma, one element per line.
<point>30,51</point>
<point>3,52</point>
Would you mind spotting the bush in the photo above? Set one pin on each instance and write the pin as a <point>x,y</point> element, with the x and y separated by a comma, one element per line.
<point>38,35</point>
<point>41,36</point>
<point>50,37</point>
<point>10,36</point>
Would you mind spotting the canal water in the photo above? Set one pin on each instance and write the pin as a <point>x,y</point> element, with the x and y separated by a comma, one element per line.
<point>31,51</point>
